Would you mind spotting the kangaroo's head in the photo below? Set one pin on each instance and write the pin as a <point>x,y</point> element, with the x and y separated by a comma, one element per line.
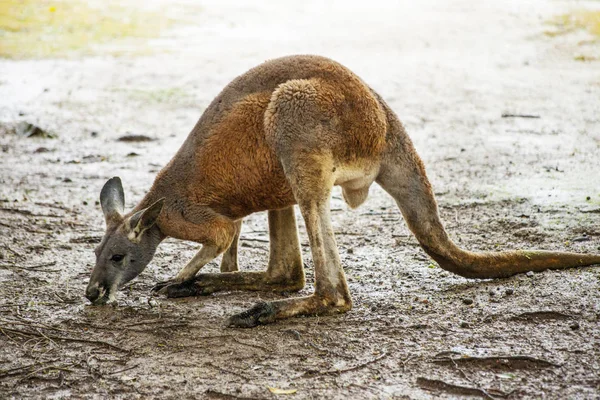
<point>127,246</point>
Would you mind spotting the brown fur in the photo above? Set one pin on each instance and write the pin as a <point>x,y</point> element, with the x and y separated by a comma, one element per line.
<point>285,133</point>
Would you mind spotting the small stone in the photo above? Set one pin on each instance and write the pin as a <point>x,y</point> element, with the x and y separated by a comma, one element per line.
<point>487,319</point>
<point>464,324</point>
<point>467,301</point>
<point>584,238</point>
<point>350,251</point>
<point>530,274</point>
<point>94,134</point>
<point>574,326</point>
<point>294,333</point>
<point>134,138</point>
<point>67,180</point>
<point>492,293</point>
<point>85,203</point>
<point>509,291</point>
<point>25,129</point>
<point>588,198</point>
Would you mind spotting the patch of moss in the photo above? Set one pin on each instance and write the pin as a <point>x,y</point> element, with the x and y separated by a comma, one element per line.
<point>584,58</point>
<point>41,28</point>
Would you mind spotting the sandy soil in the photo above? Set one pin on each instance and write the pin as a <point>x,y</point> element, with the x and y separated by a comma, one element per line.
<point>450,70</point>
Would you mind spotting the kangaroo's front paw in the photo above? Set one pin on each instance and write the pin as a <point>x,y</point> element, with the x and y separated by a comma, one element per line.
<point>260,314</point>
<point>162,287</point>
<point>187,289</point>
<point>174,288</point>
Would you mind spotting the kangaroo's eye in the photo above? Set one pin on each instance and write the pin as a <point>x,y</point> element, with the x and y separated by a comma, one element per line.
<point>117,258</point>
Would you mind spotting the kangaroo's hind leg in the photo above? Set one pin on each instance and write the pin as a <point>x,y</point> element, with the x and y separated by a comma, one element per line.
<point>331,290</point>
<point>309,167</point>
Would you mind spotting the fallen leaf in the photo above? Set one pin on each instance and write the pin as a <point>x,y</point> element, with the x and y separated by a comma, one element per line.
<point>506,376</point>
<point>282,391</point>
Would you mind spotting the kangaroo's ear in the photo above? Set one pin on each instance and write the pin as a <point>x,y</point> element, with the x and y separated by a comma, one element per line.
<point>143,220</point>
<point>112,200</point>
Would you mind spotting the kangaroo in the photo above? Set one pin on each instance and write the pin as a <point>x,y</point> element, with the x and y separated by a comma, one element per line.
<point>284,133</point>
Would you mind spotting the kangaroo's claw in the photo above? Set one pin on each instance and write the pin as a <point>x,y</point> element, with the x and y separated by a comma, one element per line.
<point>161,287</point>
<point>261,313</point>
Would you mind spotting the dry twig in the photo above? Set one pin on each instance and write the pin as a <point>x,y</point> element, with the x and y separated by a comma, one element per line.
<point>20,370</point>
<point>226,396</point>
<point>227,371</point>
<point>520,116</point>
<point>435,384</point>
<point>122,370</point>
<point>508,361</point>
<point>344,370</point>
<point>64,338</point>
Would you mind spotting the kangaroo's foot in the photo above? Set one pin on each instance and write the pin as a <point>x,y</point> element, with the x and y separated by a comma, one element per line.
<point>260,313</point>
<point>267,312</point>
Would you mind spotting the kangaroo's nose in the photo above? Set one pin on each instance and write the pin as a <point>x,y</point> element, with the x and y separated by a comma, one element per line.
<point>92,292</point>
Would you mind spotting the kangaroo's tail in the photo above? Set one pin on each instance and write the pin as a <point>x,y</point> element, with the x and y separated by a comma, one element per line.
<point>403,176</point>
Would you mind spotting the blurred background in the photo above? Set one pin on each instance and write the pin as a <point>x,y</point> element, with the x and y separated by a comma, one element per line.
<point>502,101</point>
<point>450,69</point>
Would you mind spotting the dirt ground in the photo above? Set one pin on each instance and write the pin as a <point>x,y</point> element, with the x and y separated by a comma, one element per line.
<point>450,69</point>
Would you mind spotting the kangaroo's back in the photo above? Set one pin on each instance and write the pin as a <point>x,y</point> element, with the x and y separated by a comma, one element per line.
<point>265,78</point>
<point>227,161</point>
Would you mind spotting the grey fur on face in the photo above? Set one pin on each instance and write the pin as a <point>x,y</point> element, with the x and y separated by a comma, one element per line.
<point>127,247</point>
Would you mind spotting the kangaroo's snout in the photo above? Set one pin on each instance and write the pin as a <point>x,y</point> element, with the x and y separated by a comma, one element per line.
<point>96,294</point>
<point>92,293</point>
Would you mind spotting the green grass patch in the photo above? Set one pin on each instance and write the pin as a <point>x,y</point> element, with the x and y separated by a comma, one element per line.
<point>578,20</point>
<point>39,28</point>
